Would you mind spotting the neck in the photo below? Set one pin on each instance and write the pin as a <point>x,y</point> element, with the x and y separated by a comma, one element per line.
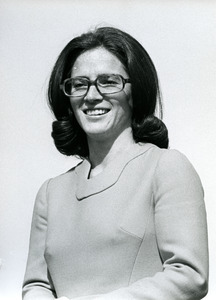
<point>102,152</point>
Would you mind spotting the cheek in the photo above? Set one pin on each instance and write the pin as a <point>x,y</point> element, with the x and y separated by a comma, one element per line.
<point>74,107</point>
<point>128,94</point>
<point>130,102</point>
<point>75,111</point>
<point>72,104</point>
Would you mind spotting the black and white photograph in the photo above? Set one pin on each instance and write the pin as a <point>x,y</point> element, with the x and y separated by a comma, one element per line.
<point>107,149</point>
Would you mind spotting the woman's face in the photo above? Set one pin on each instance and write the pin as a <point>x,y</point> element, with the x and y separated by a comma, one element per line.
<point>101,117</point>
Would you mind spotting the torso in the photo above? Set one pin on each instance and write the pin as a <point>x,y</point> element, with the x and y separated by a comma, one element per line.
<point>97,226</point>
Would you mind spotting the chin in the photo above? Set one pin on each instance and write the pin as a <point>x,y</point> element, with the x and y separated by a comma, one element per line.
<point>97,134</point>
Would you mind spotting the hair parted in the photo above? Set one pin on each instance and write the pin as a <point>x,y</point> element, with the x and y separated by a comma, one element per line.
<point>68,136</point>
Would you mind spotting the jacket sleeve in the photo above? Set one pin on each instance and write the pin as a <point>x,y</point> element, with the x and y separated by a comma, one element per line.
<point>37,283</point>
<point>181,229</point>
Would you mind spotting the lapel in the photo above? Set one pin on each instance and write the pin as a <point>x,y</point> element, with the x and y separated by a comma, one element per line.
<point>88,187</point>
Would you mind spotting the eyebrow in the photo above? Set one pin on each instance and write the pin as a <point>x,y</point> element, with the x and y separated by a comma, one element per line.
<point>102,74</point>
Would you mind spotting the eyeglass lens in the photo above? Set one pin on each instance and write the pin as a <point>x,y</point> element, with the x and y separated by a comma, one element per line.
<point>106,84</point>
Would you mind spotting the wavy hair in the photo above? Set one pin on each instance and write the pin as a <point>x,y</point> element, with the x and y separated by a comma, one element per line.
<point>68,136</point>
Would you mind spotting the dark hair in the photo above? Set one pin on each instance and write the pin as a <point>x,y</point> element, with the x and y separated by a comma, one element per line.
<point>68,136</point>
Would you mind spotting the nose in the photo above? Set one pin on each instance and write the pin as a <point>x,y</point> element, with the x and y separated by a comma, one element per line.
<point>93,94</point>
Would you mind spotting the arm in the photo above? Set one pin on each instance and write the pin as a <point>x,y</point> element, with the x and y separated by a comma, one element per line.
<point>37,284</point>
<point>181,230</point>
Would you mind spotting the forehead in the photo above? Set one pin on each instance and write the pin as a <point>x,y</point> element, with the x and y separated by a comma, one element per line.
<point>95,62</point>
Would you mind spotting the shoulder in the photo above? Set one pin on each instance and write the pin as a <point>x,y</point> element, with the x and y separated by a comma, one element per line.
<point>171,167</point>
<point>60,181</point>
<point>163,159</point>
<point>175,172</point>
<point>174,162</point>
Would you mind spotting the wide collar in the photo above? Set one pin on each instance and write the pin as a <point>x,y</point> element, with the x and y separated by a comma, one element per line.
<point>88,187</point>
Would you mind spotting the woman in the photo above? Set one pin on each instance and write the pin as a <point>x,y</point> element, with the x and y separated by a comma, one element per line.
<point>129,221</point>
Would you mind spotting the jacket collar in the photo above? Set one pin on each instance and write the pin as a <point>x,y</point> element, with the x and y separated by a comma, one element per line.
<point>88,187</point>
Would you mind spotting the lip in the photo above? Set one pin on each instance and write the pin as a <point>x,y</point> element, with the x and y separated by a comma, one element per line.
<point>96,112</point>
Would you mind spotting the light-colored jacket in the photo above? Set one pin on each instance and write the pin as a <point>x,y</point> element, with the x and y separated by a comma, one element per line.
<point>136,231</point>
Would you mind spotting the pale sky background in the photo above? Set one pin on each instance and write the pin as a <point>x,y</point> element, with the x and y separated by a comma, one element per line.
<point>180,36</point>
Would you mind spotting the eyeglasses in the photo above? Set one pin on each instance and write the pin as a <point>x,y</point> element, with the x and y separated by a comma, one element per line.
<point>105,84</point>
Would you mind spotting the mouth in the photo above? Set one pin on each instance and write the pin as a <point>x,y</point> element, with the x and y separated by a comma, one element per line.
<point>96,112</point>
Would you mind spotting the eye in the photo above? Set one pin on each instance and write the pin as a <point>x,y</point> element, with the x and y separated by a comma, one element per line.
<point>79,83</point>
<point>108,80</point>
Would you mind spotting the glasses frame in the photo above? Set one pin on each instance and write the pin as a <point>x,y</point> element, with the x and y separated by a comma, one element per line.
<point>93,82</point>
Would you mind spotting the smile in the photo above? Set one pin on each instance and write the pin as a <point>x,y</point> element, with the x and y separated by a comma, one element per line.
<point>96,112</point>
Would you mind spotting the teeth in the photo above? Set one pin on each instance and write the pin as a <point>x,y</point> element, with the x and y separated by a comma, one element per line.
<point>96,112</point>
